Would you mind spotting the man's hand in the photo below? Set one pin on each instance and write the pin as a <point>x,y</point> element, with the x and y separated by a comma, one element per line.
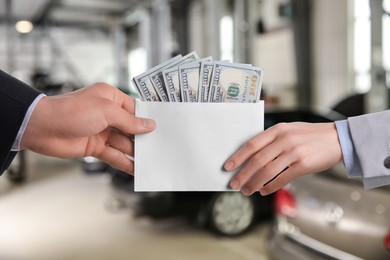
<point>95,121</point>
<point>291,149</point>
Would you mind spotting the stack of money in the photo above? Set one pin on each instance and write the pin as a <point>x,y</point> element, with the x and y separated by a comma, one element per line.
<point>191,79</point>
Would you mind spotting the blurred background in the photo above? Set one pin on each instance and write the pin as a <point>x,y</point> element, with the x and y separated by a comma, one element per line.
<point>323,60</point>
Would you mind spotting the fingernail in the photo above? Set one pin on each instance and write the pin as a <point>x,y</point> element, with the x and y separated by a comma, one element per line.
<point>147,123</point>
<point>246,191</point>
<point>234,184</point>
<point>229,165</point>
<point>262,192</point>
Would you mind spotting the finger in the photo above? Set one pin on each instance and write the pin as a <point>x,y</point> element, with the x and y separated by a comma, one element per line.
<point>114,94</point>
<point>121,142</point>
<point>280,181</point>
<point>128,123</point>
<point>116,159</point>
<point>266,174</point>
<point>250,148</point>
<point>256,163</point>
<point>128,104</point>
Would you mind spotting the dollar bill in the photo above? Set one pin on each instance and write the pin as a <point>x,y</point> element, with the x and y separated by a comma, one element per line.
<point>157,78</point>
<point>172,84</point>
<point>235,83</point>
<point>144,85</point>
<point>172,81</point>
<point>189,79</point>
<point>205,73</point>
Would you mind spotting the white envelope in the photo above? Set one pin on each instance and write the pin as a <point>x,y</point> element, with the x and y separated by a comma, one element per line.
<point>191,143</point>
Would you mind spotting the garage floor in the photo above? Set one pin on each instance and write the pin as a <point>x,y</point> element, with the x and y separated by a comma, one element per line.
<point>61,213</point>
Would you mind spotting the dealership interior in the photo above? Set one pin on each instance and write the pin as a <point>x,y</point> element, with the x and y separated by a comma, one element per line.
<point>320,61</point>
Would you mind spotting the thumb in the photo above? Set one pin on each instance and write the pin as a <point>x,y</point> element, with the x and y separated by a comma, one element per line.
<point>128,123</point>
<point>143,125</point>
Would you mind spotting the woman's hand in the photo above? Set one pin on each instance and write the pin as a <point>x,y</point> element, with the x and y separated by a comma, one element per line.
<point>282,153</point>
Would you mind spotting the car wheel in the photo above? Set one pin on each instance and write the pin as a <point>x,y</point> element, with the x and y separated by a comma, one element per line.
<point>231,213</point>
<point>16,173</point>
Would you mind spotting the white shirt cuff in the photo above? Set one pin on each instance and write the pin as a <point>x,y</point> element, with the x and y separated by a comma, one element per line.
<point>16,144</point>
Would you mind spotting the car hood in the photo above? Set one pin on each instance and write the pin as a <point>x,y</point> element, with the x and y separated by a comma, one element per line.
<point>340,213</point>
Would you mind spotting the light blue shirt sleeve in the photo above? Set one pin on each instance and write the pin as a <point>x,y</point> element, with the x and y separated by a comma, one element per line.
<point>16,144</point>
<point>350,158</point>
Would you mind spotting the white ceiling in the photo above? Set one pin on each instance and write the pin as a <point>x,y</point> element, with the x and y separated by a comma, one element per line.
<point>67,11</point>
<point>23,9</point>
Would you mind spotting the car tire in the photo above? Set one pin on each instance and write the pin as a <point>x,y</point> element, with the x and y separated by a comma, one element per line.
<point>16,173</point>
<point>231,213</point>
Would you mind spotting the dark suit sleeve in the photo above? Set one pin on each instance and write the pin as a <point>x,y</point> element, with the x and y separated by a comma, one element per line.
<point>15,99</point>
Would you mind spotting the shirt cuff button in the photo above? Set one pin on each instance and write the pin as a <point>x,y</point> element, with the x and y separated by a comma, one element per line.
<point>387,162</point>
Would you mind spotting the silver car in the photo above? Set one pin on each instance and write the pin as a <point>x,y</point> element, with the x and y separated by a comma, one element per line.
<point>328,216</point>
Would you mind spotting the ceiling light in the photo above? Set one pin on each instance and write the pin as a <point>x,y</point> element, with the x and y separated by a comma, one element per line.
<point>24,26</point>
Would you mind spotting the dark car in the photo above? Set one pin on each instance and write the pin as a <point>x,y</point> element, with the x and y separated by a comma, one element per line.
<point>328,216</point>
<point>226,213</point>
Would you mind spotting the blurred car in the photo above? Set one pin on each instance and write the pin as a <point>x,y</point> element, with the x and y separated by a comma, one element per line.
<point>328,216</point>
<point>226,213</point>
